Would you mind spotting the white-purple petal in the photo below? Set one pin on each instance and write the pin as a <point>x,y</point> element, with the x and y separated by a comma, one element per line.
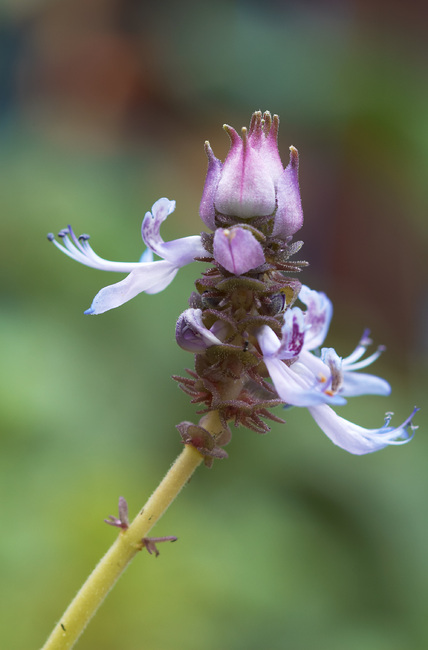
<point>150,277</point>
<point>191,333</point>
<point>184,250</point>
<point>292,334</point>
<point>178,251</point>
<point>296,385</point>
<point>147,256</point>
<point>295,390</point>
<point>317,315</point>
<point>268,341</point>
<point>150,228</point>
<point>360,383</point>
<point>356,439</point>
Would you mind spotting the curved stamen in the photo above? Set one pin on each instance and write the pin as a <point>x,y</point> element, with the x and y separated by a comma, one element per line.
<point>362,346</point>
<point>79,249</point>
<point>407,424</point>
<point>364,362</point>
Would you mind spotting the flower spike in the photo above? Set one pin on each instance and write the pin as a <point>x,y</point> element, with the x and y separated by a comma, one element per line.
<point>254,348</point>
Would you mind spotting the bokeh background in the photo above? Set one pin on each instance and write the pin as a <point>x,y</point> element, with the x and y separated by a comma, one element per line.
<point>290,543</point>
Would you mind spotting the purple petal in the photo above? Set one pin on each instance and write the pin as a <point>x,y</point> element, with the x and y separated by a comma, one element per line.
<point>360,383</point>
<point>294,389</point>
<point>191,333</point>
<point>184,250</point>
<point>237,250</point>
<point>206,208</point>
<point>356,439</point>
<point>295,385</point>
<point>151,277</point>
<point>179,251</point>
<point>293,334</point>
<point>147,256</point>
<point>289,213</point>
<point>150,228</point>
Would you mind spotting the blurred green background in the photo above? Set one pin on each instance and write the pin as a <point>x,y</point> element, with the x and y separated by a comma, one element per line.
<point>291,542</point>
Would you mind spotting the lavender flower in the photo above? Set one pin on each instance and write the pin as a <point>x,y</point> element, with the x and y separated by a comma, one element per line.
<point>145,275</point>
<point>309,378</point>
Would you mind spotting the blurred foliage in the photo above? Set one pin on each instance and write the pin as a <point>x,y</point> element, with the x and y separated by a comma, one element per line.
<point>290,542</point>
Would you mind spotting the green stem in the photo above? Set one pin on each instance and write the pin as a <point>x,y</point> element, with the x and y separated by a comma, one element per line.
<point>129,542</point>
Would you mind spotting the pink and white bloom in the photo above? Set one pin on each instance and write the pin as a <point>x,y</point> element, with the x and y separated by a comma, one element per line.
<point>314,382</point>
<point>252,181</point>
<point>146,275</point>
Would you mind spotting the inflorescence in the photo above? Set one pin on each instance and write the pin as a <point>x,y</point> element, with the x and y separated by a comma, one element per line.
<point>243,324</point>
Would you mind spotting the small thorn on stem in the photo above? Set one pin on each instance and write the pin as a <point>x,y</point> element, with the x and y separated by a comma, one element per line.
<point>150,543</point>
<point>122,521</point>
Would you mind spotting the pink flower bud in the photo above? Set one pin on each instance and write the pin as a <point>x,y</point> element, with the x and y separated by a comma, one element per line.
<point>252,181</point>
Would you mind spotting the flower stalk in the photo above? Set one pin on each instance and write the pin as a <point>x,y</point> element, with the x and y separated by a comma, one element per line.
<point>254,347</point>
<point>128,543</point>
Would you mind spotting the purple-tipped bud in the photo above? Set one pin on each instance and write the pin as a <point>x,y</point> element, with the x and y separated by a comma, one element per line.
<point>191,333</point>
<point>206,208</point>
<point>246,187</point>
<point>252,181</point>
<point>289,213</point>
<point>237,250</point>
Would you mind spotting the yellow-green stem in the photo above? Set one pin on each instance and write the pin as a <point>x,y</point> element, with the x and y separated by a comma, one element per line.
<point>129,542</point>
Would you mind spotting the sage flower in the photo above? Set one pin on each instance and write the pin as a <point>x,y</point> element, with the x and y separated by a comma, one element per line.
<point>146,275</point>
<point>309,377</point>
